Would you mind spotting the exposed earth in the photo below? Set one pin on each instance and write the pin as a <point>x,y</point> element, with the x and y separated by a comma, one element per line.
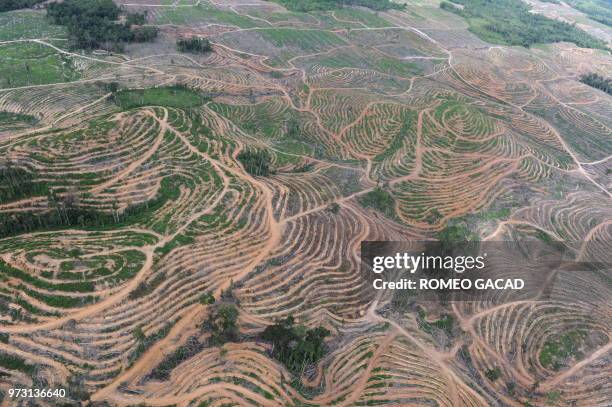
<point>390,125</point>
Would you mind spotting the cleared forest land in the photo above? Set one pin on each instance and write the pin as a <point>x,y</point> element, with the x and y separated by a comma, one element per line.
<point>159,210</point>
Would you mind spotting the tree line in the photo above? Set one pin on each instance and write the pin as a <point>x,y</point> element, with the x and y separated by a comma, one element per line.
<point>8,5</point>
<point>64,211</point>
<point>94,24</point>
<point>194,45</point>
<point>256,162</point>
<point>17,183</point>
<point>511,22</point>
<point>598,82</point>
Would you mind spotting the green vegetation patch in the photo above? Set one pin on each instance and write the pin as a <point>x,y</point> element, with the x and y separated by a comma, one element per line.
<point>222,323</point>
<point>145,342</point>
<point>598,10</point>
<point>23,24</point>
<point>555,352</point>
<point>177,96</point>
<point>7,5</point>
<point>446,323</point>
<point>23,64</point>
<point>194,45</point>
<point>14,121</point>
<point>598,82</point>
<point>456,233</point>
<point>381,200</point>
<point>200,14</point>
<point>295,346</point>
<point>367,18</point>
<point>13,362</point>
<point>306,40</point>
<point>65,213</point>
<point>9,118</point>
<point>363,59</point>
<point>406,134</point>
<point>94,23</point>
<point>256,162</point>
<point>493,374</point>
<point>323,5</point>
<point>509,22</point>
<point>17,183</point>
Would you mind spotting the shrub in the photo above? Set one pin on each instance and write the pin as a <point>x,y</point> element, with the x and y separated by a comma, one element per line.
<point>93,23</point>
<point>493,374</point>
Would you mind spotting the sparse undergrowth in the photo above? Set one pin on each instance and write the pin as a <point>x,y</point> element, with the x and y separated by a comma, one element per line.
<point>323,5</point>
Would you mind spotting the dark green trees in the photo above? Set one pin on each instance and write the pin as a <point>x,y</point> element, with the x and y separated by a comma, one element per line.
<point>295,346</point>
<point>194,45</point>
<point>511,22</point>
<point>598,82</point>
<point>256,162</point>
<point>17,183</point>
<point>222,323</point>
<point>7,5</point>
<point>94,23</point>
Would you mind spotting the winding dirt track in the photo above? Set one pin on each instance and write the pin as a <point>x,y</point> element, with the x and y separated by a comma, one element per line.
<point>282,250</point>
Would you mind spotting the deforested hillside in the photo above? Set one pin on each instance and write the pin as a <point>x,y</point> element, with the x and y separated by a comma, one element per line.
<point>181,217</point>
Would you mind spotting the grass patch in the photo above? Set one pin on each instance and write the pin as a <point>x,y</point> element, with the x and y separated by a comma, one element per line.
<point>363,59</point>
<point>367,18</point>
<point>177,96</point>
<point>202,13</point>
<point>324,5</point>
<point>555,352</point>
<point>23,64</point>
<point>305,40</point>
<point>183,353</point>
<point>24,24</point>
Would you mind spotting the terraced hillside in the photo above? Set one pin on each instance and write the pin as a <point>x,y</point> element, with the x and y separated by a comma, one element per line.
<point>161,210</point>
